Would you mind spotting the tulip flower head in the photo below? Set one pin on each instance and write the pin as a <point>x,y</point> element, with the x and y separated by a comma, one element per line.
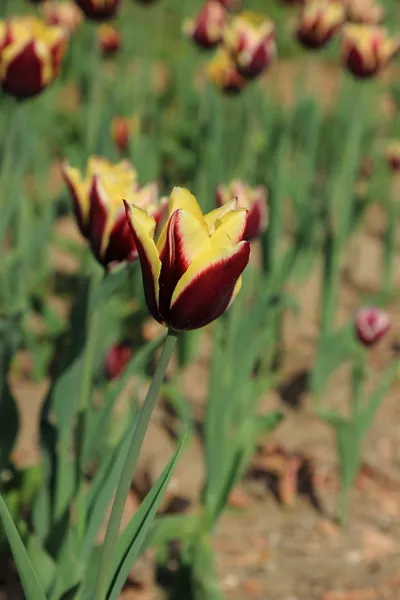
<point>206,28</point>
<point>367,49</point>
<point>371,324</point>
<point>222,72</point>
<point>392,155</point>
<point>99,210</point>
<point>250,38</point>
<point>63,14</point>
<point>319,22</point>
<point>99,10</point>
<point>109,39</point>
<point>116,360</point>
<point>252,199</point>
<point>364,11</point>
<point>193,272</point>
<point>31,54</point>
<point>122,129</point>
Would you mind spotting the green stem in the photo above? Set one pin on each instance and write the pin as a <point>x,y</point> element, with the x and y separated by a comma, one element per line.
<point>130,464</point>
<point>94,99</point>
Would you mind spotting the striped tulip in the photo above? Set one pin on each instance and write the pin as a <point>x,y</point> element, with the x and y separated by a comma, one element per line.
<point>99,10</point>
<point>319,22</point>
<point>250,38</point>
<point>254,200</point>
<point>31,54</point>
<point>367,49</point>
<point>63,14</point>
<point>392,155</point>
<point>122,129</point>
<point>109,39</point>
<point>193,272</point>
<point>364,11</point>
<point>99,211</point>
<point>206,28</point>
<point>222,72</point>
<point>371,324</point>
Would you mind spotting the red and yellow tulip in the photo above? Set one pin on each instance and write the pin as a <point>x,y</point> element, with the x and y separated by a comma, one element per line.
<point>367,49</point>
<point>110,39</point>
<point>254,200</point>
<point>99,210</point>
<point>99,10</point>
<point>63,14</point>
<point>193,272</point>
<point>31,54</point>
<point>122,129</point>
<point>206,28</point>
<point>250,39</point>
<point>392,155</point>
<point>222,72</point>
<point>319,21</point>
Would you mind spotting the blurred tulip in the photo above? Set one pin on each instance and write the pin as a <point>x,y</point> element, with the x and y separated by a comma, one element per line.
<point>364,11</point>
<point>250,38</point>
<point>367,49</point>
<point>31,54</point>
<point>230,4</point>
<point>99,10</point>
<point>116,360</point>
<point>206,28</point>
<point>392,155</point>
<point>64,14</point>
<point>121,130</point>
<point>99,211</point>
<point>109,39</point>
<point>319,22</point>
<point>371,324</point>
<point>252,199</point>
<point>193,273</point>
<point>222,72</point>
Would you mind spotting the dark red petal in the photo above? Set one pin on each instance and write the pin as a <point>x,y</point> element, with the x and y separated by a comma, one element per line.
<point>121,246</point>
<point>23,77</point>
<point>83,227</point>
<point>97,12</point>
<point>209,295</point>
<point>97,221</point>
<point>254,224</point>
<point>356,64</point>
<point>147,272</point>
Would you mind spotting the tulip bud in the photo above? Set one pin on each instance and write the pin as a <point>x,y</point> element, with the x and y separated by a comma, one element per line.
<point>63,14</point>
<point>99,10</point>
<point>109,39</point>
<point>254,200</point>
<point>371,324</point>
<point>319,22</point>
<point>193,272</point>
<point>116,360</point>
<point>367,49</point>
<point>364,11</point>
<point>99,211</point>
<point>221,71</point>
<point>122,129</point>
<point>392,155</point>
<point>31,54</point>
<point>206,28</point>
<point>250,38</point>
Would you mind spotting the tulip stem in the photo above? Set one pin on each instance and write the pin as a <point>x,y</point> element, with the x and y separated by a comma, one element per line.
<point>93,101</point>
<point>125,481</point>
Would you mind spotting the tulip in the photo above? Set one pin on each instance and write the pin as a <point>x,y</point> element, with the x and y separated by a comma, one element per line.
<point>392,155</point>
<point>222,72</point>
<point>254,200</point>
<point>206,29</point>
<point>31,54</point>
<point>109,39</point>
<point>230,4</point>
<point>371,324</point>
<point>99,211</point>
<point>116,360</point>
<point>63,14</point>
<point>250,38</point>
<point>122,129</point>
<point>364,11</point>
<point>193,273</point>
<point>319,22</point>
<point>99,10</point>
<point>367,49</point>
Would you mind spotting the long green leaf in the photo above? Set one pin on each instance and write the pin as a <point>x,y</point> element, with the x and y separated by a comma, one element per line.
<point>29,578</point>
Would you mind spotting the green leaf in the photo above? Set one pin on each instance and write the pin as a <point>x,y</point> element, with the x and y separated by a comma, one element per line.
<point>133,538</point>
<point>264,424</point>
<point>29,578</point>
<point>42,562</point>
<point>368,414</point>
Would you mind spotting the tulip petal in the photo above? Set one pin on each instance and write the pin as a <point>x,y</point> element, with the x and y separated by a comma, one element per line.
<point>142,228</point>
<point>204,292</point>
<point>185,240</point>
<point>30,58</point>
<point>230,228</point>
<point>98,218</point>
<point>121,246</point>
<point>80,196</point>
<point>212,217</point>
